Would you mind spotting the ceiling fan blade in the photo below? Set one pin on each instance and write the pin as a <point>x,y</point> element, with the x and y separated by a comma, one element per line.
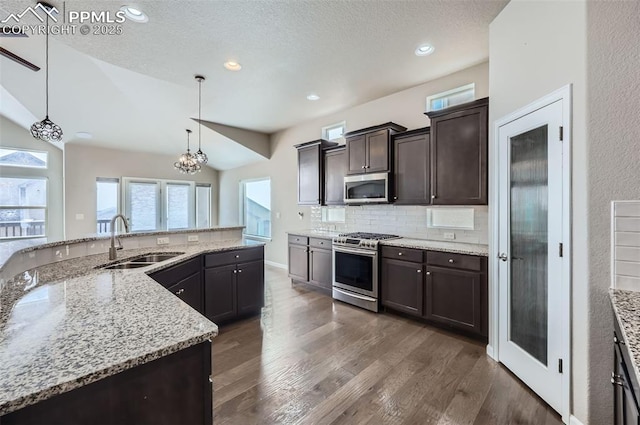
<point>4,52</point>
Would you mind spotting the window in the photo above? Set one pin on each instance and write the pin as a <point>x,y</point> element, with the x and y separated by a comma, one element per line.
<point>10,157</point>
<point>333,132</point>
<point>451,97</point>
<point>107,194</point>
<point>23,207</point>
<point>152,205</point>
<point>256,207</point>
<point>203,206</point>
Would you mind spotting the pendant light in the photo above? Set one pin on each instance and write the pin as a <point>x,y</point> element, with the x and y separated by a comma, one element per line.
<point>187,163</point>
<point>200,156</point>
<point>46,130</point>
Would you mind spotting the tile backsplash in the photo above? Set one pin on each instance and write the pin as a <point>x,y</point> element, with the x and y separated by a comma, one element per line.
<point>407,221</point>
<point>625,241</point>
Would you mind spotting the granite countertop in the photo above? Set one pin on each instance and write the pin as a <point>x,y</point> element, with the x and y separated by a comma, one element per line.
<point>67,324</point>
<point>453,247</point>
<point>626,306</point>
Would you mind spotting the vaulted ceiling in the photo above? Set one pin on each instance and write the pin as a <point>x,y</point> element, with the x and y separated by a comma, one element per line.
<point>136,91</point>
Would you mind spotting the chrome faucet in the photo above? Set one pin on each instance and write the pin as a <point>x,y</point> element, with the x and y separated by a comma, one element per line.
<point>113,249</point>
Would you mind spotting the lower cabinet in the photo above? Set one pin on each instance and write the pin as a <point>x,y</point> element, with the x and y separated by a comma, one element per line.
<point>311,261</point>
<point>233,290</point>
<point>190,291</point>
<point>625,386</point>
<point>185,281</point>
<point>450,289</point>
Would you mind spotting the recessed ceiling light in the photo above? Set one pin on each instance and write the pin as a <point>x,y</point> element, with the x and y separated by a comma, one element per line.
<point>232,66</point>
<point>134,14</point>
<point>424,50</point>
<point>84,135</point>
<point>313,97</point>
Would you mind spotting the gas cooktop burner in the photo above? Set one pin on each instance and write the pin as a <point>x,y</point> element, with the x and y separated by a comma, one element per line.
<point>369,236</point>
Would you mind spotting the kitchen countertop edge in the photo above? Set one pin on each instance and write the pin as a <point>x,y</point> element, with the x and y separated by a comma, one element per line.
<point>626,308</point>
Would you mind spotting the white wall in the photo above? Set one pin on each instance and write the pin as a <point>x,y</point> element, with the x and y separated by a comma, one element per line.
<point>14,136</point>
<point>536,48</point>
<point>84,163</point>
<point>405,108</point>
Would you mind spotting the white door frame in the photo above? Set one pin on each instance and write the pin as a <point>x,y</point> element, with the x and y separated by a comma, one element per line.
<point>493,350</point>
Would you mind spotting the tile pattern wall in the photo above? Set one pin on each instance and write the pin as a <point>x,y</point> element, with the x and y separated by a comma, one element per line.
<point>407,221</point>
<point>625,238</point>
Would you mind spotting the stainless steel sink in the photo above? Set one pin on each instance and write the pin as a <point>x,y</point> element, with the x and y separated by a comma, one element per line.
<point>145,260</point>
<point>127,265</point>
<point>154,258</point>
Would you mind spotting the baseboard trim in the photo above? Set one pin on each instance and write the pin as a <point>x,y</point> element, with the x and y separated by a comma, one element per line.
<point>574,421</point>
<point>277,265</point>
<point>491,352</point>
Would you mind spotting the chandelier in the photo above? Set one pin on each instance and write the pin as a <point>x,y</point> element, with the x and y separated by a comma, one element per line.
<point>200,156</point>
<point>187,163</point>
<point>46,130</point>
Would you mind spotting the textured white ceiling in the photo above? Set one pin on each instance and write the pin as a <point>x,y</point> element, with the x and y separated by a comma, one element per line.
<point>136,90</point>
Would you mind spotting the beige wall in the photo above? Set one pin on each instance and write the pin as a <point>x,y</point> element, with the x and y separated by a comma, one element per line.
<point>535,49</point>
<point>405,108</point>
<point>84,163</point>
<point>613,64</point>
<point>14,136</point>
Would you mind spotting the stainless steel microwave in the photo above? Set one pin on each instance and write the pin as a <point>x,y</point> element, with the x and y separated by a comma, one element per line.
<point>366,189</point>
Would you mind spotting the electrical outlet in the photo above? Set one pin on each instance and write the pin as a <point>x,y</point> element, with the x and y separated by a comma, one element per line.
<point>163,241</point>
<point>79,216</point>
<point>192,238</point>
<point>449,235</point>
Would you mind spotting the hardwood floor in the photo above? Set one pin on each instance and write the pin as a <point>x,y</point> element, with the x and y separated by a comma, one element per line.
<point>310,360</point>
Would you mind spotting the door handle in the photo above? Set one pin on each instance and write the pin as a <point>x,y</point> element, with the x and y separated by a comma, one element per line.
<point>180,291</point>
<point>503,256</point>
<point>617,379</point>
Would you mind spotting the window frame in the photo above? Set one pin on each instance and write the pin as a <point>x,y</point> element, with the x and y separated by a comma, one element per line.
<point>449,93</point>
<point>27,167</point>
<point>327,129</point>
<point>242,209</point>
<point>210,194</point>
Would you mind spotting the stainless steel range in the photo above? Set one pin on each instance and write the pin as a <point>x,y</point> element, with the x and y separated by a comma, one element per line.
<point>355,268</point>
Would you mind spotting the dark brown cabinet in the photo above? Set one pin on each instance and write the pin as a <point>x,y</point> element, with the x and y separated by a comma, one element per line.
<point>311,171</point>
<point>190,291</point>
<point>459,154</point>
<point>412,167</point>
<point>624,382</point>
<point>449,289</point>
<point>335,168</point>
<point>311,261</point>
<point>185,281</point>
<point>233,284</point>
<point>368,148</point>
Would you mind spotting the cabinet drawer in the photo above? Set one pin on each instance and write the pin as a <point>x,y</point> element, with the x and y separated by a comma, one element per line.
<point>405,254</point>
<point>298,240</point>
<point>231,257</point>
<point>320,243</point>
<point>458,261</point>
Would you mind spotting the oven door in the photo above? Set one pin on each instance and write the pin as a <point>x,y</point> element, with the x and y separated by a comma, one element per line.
<point>356,270</point>
<point>367,188</point>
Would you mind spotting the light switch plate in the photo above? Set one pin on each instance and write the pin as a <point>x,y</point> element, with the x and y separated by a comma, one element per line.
<point>192,238</point>
<point>449,235</point>
<point>163,241</point>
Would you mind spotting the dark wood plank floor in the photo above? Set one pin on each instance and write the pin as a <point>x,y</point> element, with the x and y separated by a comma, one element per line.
<point>309,360</point>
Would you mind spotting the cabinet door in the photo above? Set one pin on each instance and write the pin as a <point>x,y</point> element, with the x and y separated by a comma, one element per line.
<point>309,184</point>
<point>402,286</point>
<point>298,262</point>
<point>174,274</point>
<point>453,297</point>
<point>250,287</point>
<point>320,267</point>
<point>625,407</point>
<point>459,158</point>
<point>335,168</point>
<point>190,291</point>
<point>412,170</point>
<point>356,154</point>
<point>219,293</point>
<point>377,152</point>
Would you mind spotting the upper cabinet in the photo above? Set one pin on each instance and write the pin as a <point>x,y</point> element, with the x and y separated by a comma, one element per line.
<point>459,154</point>
<point>368,149</point>
<point>412,167</point>
<point>335,168</point>
<point>310,171</point>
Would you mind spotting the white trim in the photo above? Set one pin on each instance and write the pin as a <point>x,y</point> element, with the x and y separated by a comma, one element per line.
<point>574,421</point>
<point>491,352</point>
<point>563,94</point>
<point>277,265</point>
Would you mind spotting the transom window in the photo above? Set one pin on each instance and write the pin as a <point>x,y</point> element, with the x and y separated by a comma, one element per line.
<point>10,157</point>
<point>333,132</point>
<point>452,97</point>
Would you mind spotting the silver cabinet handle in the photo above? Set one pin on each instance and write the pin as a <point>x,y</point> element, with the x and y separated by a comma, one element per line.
<point>235,271</point>
<point>419,271</point>
<point>617,379</point>
<point>399,253</point>
<point>428,273</point>
<point>321,243</point>
<point>503,256</point>
<point>364,166</point>
<point>240,271</point>
<point>395,197</point>
<point>617,341</point>
<point>237,256</point>
<point>433,196</point>
<point>451,261</point>
<point>180,291</point>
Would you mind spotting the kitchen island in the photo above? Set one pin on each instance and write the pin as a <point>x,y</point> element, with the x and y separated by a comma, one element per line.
<point>113,343</point>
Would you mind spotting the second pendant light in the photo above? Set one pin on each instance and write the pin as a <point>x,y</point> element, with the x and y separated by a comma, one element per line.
<point>200,156</point>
